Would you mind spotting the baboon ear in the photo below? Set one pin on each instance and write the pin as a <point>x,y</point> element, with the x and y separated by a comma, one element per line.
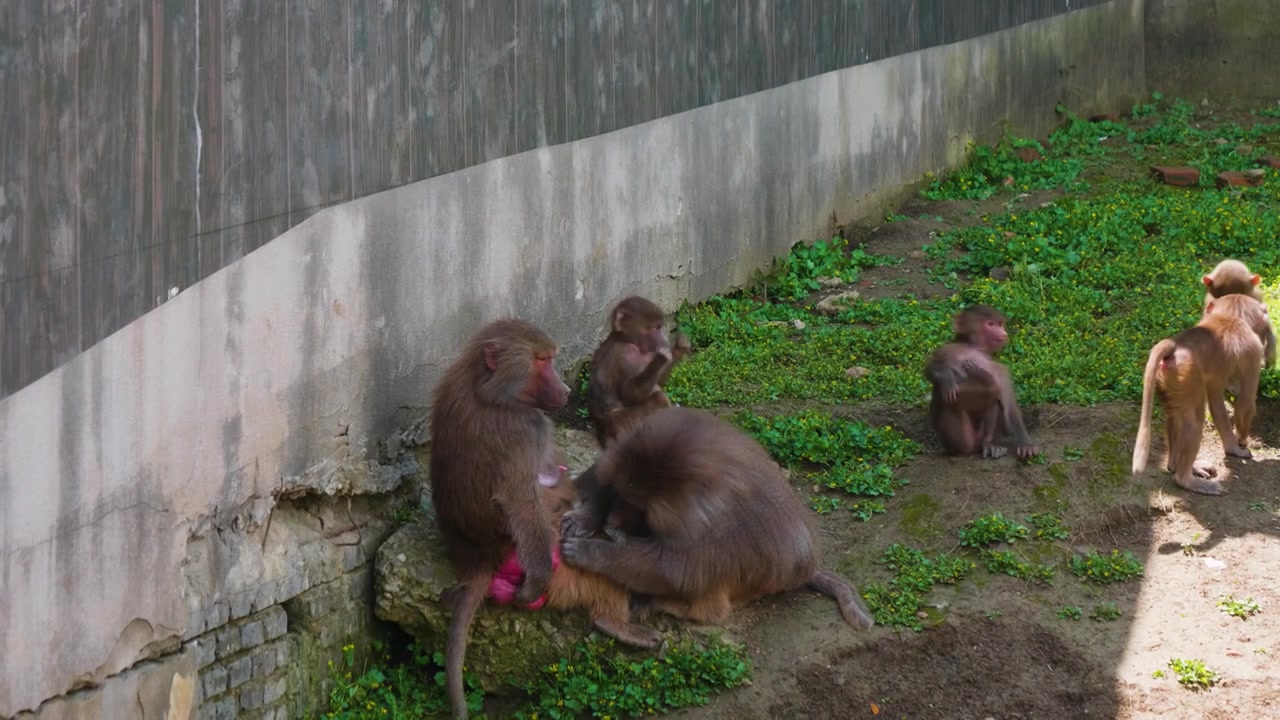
<point>1255,279</point>
<point>1208,308</point>
<point>1208,281</point>
<point>491,356</point>
<point>619,318</point>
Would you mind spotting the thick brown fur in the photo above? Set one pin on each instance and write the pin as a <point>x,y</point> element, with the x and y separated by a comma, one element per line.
<point>973,399</point>
<point>1197,365</point>
<point>630,367</point>
<point>724,526</point>
<point>490,440</point>
<point>1232,277</point>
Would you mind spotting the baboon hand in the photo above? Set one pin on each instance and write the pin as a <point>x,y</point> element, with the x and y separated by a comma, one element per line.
<point>1026,452</point>
<point>578,524</point>
<point>950,391</point>
<point>581,552</point>
<point>682,344</point>
<point>993,452</point>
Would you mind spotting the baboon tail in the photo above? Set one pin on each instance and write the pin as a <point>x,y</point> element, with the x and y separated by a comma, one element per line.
<point>846,596</point>
<point>464,611</point>
<point>1142,445</point>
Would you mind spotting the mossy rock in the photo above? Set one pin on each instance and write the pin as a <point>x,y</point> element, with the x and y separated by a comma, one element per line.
<point>507,646</point>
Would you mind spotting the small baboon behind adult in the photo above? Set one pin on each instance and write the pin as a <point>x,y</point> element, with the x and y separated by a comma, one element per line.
<point>973,400</point>
<point>724,527</point>
<point>1232,277</point>
<point>1199,363</point>
<point>630,367</point>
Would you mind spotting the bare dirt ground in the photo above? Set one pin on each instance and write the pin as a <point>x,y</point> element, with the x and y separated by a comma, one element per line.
<point>994,646</point>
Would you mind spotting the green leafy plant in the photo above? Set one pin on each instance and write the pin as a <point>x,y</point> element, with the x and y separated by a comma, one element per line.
<point>1193,674</point>
<point>1105,569</point>
<point>1105,612</point>
<point>381,689</point>
<point>1070,612</point>
<point>899,602</point>
<point>1259,506</point>
<point>1005,562</point>
<point>1238,608</point>
<point>808,265</point>
<point>864,510</point>
<point>1048,526</point>
<point>1071,454</point>
<point>990,529</point>
<point>600,681</point>
<point>823,505</point>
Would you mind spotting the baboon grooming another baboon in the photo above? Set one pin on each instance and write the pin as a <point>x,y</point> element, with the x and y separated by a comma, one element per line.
<point>630,367</point>
<point>494,469</point>
<point>1197,365</point>
<point>724,526</point>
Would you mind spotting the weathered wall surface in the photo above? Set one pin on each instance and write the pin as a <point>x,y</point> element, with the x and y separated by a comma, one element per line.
<point>1213,48</point>
<point>145,145</point>
<point>145,484</point>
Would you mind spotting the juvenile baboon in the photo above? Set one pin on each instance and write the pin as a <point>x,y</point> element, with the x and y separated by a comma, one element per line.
<point>1232,277</point>
<point>630,367</point>
<point>724,527</point>
<point>973,400</point>
<point>490,444</point>
<point>1197,365</point>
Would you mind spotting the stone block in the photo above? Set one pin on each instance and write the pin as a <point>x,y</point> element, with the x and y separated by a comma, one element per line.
<point>266,596</point>
<point>224,709</point>
<point>239,672</point>
<point>274,690</point>
<point>206,650</point>
<point>1271,161</point>
<point>352,557</point>
<point>275,622</point>
<point>241,605</point>
<point>214,681</point>
<point>216,615</point>
<point>265,661</point>
<point>251,697</point>
<point>1179,176</point>
<point>228,642</point>
<point>1248,178</point>
<point>252,634</point>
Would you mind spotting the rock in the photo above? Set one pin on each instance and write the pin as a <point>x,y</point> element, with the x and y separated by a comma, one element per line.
<point>833,304</point>
<point>1271,161</point>
<point>506,645</point>
<point>1028,154</point>
<point>916,254</point>
<point>857,371</point>
<point>999,273</point>
<point>1179,176</point>
<point>798,324</point>
<point>830,282</point>
<point>1245,150</point>
<point>1248,178</point>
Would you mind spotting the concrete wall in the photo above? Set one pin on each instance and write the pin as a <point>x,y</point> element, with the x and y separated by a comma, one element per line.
<point>1214,48</point>
<point>145,145</point>
<point>138,480</point>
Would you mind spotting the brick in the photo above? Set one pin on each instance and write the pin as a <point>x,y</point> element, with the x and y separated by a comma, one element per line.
<point>251,634</point>
<point>274,690</point>
<point>241,605</point>
<point>239,672</point>
<point>251,697</point>
<point>264,661</point>
<point>284,652</point>
<point>1271,161</point>
<point>352,557</point>
<point>228,642</point>
<point>1178,176</point>
<point>224,709</point>
<point>265,597</point>
<point>216,615</point>
<point>1028,154</point>
<point>275,622</point>
<point>294,585</point>
<point>214,681</point>
<point>1242,179</point>
<point>195,624</point>
<point>206,651</point>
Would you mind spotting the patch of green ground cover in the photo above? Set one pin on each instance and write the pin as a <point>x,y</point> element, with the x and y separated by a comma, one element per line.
<point>1094,280</point>
<point>899,602</point>
<point>836,454</point>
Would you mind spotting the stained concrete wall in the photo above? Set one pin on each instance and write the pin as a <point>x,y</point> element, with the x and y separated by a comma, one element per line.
<point>1214,48</point>
<point>145,145</point>
<point>136,481</point>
